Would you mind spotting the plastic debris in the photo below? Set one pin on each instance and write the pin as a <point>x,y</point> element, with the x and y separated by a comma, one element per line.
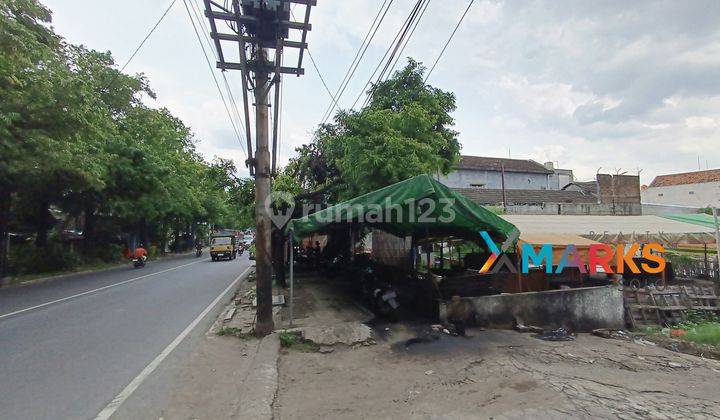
<point>527,328</point>
<point>644,342</point>
<point>614,334</point>
<point>560,334</point>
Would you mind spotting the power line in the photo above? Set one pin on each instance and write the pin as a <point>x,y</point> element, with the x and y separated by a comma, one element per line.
<point>322,79</point>
<point>157,23</point>
<point>233,105</point>
<point>407,41</point>
<point>320,75</point>
<point>356,61</point>
<point>207,60</point>
<point>410,20</point>
<point>448,41</point>
<point>395,40</point>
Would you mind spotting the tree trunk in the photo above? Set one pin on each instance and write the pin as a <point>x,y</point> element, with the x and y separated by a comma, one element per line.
<point>89,228</point>
<point>4,226</point>
<point>144,237</point>
<point>176,233</point>
<point>163,236</point>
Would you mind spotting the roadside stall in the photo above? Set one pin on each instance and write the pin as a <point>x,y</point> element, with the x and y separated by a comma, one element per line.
<point>420,212</point>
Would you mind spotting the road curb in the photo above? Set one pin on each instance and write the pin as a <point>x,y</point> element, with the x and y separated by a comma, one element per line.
<point>75,273</point>
<point>260,386</point>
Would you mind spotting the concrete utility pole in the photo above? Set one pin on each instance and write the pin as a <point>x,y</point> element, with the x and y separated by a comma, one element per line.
<point>263,264</point>
<point>262,25</point>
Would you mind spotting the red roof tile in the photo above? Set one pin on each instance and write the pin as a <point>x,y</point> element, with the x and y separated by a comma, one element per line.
<point>698,177</point>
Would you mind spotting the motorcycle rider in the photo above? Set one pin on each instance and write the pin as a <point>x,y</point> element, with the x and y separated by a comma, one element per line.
<point>140,253</point>
<point>198,246</point>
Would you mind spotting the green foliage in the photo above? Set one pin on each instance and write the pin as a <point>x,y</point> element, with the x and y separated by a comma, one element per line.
<point>700,327</point>
<point>235,332</point>
<point>403,132</point>
<point>80,149</point>
<point>706,333</point>
<point>294,341</point>
<point>53,257</point>
<point>695,317</point>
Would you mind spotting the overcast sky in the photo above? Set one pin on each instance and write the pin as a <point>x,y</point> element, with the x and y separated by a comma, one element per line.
<point>618,85</point>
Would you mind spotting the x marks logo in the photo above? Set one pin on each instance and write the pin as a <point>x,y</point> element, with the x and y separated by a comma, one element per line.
<point>496,252</point>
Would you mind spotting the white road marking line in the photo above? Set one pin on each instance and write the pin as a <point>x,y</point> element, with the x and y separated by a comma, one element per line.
<point>110,409</point>
<point>42,305</point>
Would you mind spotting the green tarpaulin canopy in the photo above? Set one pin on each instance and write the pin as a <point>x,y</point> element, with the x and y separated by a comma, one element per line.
<point>418,206</point>
<point>704,220</point>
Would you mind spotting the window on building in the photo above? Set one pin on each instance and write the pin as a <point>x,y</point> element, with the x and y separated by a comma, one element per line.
<point>691,192</point>
<point>660,195</point>
<point>477,185</point>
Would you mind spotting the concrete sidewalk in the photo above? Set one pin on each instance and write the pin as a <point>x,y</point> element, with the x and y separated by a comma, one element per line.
<point>224,378</point>
<point>231,375</point>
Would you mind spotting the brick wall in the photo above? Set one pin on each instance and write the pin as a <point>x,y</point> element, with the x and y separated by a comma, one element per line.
<point>619,188</point>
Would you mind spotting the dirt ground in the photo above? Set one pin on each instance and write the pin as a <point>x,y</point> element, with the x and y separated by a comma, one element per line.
<point>490,374</point>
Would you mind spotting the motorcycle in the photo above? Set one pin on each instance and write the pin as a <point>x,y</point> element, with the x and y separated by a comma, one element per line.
<point>380,296</point>
<point>385,302</point>
<point>198,252</point>
<point>138,262</point>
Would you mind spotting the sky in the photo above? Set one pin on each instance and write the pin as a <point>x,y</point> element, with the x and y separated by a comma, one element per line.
<point>617,85</point>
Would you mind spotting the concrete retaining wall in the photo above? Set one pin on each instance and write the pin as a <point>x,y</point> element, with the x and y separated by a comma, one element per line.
<point>580,310</point>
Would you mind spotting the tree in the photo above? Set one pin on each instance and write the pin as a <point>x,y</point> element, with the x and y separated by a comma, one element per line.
<point>78,147</point>
<point>42,118</point>
<point>403,132</point>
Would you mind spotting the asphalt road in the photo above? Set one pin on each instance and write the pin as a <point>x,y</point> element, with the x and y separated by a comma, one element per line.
<point>68,349</point>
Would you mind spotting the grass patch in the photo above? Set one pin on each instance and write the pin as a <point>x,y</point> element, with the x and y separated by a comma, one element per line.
<point>23,278</point>
<point>699,327</point>
<point>294,341</point>
<point>707,333</point>
<point>651,330</point>
<point>234,332</point>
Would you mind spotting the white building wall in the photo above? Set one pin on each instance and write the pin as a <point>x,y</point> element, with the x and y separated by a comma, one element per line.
<point>690,195</point>
<point>470,178</point>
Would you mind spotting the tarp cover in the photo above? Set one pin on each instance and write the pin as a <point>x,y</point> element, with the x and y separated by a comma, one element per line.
<point>700,219</point>
<point>418,206</point>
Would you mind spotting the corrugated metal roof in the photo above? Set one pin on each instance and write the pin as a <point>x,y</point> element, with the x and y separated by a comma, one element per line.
<point>495,164</point>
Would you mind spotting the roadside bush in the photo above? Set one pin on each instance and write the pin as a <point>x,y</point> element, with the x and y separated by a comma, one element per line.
<point>27,259</point>
<point>105,253</point>
<point>153,251</point>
